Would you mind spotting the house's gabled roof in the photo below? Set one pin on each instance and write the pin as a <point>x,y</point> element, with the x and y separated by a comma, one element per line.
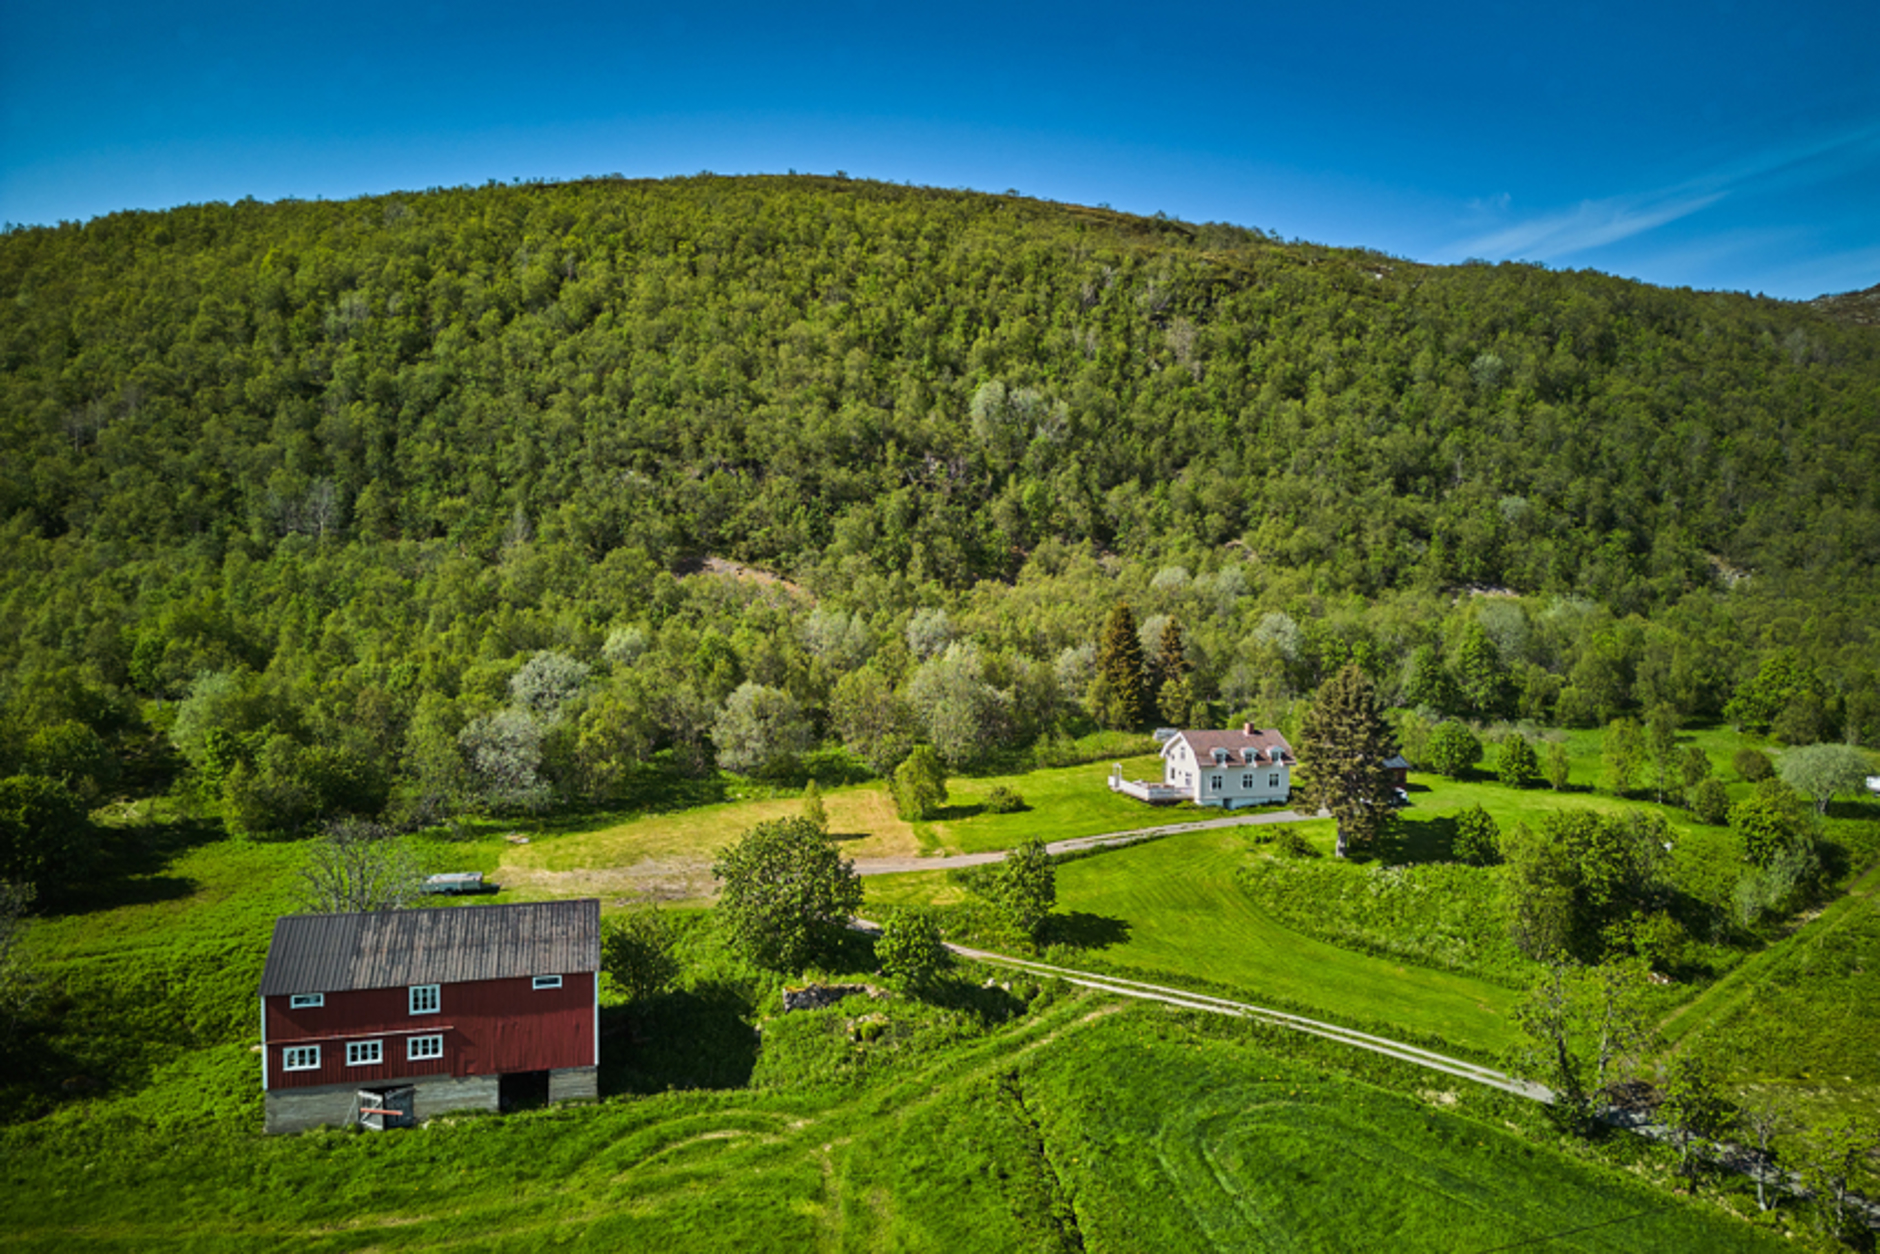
<point>333,953</point>
<point>1396,762</point>
<point>1235,744</point>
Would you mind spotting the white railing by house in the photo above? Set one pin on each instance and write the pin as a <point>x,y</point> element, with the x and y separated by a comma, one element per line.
<point>1152,791</point>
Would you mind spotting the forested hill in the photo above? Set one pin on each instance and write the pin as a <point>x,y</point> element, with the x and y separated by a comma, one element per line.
<point>828,375</point>
<point>397,505</point>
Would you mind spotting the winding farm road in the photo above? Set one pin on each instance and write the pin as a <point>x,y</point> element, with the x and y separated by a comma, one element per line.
<point>897,866</point>
<point>1243,1010</point>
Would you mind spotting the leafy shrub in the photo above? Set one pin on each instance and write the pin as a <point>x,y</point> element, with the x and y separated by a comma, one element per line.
<point>1752,765</point>
<point>1294,845</point>
<point>1024,888</point>
<point>1478,837</point>
<point>1785,885</point>
<point>1003,800</point>
<point>639,953</point>
<point>920,784</point>
<point>1710,802</point>
<point>1453,749</point>
<point>1773,818</point>
<point>910,950</point>
<point>1517,765</point>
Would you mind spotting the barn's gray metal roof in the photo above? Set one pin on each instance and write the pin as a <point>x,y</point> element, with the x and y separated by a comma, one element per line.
<point>332,953</point>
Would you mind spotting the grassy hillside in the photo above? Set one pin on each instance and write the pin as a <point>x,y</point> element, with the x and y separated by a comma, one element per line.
<point>994,1118</point>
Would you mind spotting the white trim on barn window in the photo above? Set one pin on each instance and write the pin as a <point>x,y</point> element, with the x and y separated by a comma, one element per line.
<point>1246,783</point>
<point>418,1048</point>
<point>1214,783</point>
<point>424,999</point>
<point>300,1058</point>
<point>364,1053</point>
<point>306,1001</point>
<point>547,981</point>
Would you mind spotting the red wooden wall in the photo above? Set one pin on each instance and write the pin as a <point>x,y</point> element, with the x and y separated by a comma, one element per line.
<point>490,1027</point>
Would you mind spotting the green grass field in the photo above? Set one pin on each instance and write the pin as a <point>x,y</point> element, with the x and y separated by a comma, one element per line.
<point>1040,1118</point>
<point>1171,908</point>
<point>1074,1124</point>
<point>1800,1017</point>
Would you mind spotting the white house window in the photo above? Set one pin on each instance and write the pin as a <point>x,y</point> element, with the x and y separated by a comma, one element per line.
<point>306,1001</point>
<point>364,1053</point>
<point>1214,783</point>
<point>300,1058</point>
<point>1272,781</point>
<point>548,981</point>
<point>421,1047</point>
<point>1246,783</point>
<point>424,999</point>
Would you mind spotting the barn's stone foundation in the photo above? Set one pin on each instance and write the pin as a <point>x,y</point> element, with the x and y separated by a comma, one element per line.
<point>296,1110</point>
<point>574,1084</point>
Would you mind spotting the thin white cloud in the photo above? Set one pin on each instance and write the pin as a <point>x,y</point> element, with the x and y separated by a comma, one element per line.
<point>1561,233</point>
<point>1589,224</point>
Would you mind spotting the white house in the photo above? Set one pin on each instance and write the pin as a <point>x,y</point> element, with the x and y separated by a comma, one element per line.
<point>1217,768</point>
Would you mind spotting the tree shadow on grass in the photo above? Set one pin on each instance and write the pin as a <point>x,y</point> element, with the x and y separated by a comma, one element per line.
<point>698,1038</point>
<point>988,1003</point>
<point>1857,808</point>
<point>1079,929</point>
<point>953,814</point>
<point>846,950</point>
<point>1426,839</point>
<point>127,869</point>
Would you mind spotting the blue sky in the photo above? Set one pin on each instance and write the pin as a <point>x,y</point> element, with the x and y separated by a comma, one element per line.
<point>1730,145</point>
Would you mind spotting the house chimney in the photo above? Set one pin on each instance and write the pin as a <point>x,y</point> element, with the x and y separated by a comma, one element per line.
<point>1248,729</point>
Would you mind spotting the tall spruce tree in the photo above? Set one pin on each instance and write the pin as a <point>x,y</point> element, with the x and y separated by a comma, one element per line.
<point>1125,699</point>
<point>1343,741</point>
<point>1176,693</point>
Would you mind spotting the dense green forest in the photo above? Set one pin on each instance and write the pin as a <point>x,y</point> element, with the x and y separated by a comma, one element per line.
<point>425,502</point>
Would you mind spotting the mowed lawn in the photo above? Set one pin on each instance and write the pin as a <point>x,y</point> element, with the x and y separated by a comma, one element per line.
<point>1185,919</point>
<point>1062,803</point>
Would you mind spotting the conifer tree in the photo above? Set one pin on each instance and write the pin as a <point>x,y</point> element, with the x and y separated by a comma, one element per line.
<point>1125,703</point>
<point>1176,693</point>
<point>1343,742</point>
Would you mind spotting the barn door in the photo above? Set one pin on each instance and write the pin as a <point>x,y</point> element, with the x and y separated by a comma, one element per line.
<point>380,1109</point>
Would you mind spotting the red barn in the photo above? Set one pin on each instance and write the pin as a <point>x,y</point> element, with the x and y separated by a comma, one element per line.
<point>428,1010</point>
